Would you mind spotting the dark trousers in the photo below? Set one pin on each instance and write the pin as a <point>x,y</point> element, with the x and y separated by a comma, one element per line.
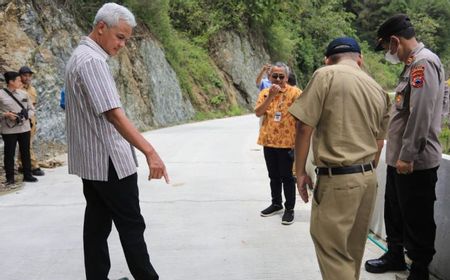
<point>115,200</point>
<point>10,141</point>
<point>409,212</point>
<point>279,162</point>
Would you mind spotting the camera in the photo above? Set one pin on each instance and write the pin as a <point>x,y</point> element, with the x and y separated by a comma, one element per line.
<point>21,116</point>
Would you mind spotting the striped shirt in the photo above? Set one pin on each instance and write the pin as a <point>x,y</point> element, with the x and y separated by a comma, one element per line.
<point>91,139</point>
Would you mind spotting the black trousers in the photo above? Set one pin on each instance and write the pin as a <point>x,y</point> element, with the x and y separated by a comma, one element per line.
<point>115,200</point>
<point>409,212</point>
<point>279,162</point>
<point>10,142</point>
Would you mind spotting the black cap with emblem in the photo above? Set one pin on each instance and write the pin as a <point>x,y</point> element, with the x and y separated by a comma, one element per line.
<point>399,24</point>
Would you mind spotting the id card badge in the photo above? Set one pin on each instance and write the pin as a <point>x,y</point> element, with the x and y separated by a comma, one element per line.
<point>277,117</point>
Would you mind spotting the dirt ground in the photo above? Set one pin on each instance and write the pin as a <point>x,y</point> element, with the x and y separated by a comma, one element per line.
<point>45,153</point>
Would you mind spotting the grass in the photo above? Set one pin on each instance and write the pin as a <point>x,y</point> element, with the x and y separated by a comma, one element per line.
<point>234,110</point>
<point>445,139</point>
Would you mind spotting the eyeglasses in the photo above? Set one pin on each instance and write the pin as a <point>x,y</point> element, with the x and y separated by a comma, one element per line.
<point>276,76</point>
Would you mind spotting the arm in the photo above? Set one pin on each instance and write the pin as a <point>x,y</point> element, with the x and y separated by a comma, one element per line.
<point>5,113</point>
<point>380,144</point>
<point>261,74</point>
<point>302,142</point>
<point>423,97</point>
<point>381,136</point>
<point>117,118</point>
<point>30,108</point>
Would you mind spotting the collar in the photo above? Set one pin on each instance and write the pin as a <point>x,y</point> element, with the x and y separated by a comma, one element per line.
<point>85,40</point>
<point>349,62</point>
<point>413,54</point>
<point>10,90</point>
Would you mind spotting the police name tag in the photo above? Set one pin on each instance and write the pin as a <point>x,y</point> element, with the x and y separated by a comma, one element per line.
<point>277,117</point>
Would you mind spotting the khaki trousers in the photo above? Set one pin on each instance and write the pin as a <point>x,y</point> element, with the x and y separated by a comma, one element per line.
<point>342,207</point>
<point>34,162</point>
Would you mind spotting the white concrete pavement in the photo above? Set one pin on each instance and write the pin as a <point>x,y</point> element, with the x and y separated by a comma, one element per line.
<point>204,225</point>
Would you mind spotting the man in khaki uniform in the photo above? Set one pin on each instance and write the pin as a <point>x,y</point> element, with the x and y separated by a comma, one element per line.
<point>26,76</point>
<point>413,151</point>
<point>348,112</point>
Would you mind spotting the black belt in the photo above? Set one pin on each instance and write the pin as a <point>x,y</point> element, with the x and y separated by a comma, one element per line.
<point>344,169</point>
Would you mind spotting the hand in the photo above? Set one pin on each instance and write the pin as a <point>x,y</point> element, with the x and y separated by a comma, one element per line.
<point>10,115</point>
<point>266,66</point>
<point>302,181</point>
<point>404,167</point>
<point>157,167</point>
<point>274,89</point>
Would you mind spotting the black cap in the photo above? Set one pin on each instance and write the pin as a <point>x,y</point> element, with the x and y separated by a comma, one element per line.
<point>394,25</point>
<point>25,69</point>
<point>342,45</point>
<point>10,76</point>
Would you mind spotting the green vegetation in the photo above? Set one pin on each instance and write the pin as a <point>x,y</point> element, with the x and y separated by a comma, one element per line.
<point>294,31</point>
<point>214,114</point>
<point>196,72</point>
<point>445,136</point>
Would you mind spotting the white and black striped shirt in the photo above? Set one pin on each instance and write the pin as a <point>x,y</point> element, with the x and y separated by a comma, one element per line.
<point>92,140</point>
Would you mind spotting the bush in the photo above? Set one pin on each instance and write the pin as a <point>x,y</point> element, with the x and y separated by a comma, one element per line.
<point>194,68</point>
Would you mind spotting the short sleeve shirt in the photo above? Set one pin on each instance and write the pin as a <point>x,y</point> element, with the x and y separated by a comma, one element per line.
<point>349,112</point>
<point>90,91</point>
<point>278,127</point>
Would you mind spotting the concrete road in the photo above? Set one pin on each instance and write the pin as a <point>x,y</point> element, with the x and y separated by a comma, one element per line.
<point>204,225</point>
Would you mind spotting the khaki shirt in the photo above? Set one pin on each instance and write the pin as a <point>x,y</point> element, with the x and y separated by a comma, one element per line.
<point>8,104</point>
<point>31,93</point>
<point>349,112</point>
<point>278,133</point>
<point>416,113</point>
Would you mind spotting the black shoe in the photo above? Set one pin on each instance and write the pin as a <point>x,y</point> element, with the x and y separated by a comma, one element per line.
<point>271,210</point>
<point>418,272</point>
<point>37,172</point>
<point>10,182</point>
<point>29,178</point>
<point>288,217</point>
<point>386,263</point>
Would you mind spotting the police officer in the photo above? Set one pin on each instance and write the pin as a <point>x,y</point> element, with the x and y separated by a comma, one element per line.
<point>413,151</point>
<point>348,112</point>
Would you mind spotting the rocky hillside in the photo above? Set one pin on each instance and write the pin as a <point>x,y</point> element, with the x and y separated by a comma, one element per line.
<point>43,34</point>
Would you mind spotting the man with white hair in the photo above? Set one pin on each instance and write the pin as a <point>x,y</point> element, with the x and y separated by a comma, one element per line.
<point>100,148</point>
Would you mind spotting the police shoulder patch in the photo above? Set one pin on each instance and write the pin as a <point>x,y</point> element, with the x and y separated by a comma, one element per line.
<point>418,76</point>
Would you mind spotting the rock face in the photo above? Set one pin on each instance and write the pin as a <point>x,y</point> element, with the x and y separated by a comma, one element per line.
<point>42,35</point>
<point>241,58</point>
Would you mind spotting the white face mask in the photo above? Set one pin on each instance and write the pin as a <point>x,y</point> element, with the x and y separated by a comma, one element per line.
<point>392,58</point>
